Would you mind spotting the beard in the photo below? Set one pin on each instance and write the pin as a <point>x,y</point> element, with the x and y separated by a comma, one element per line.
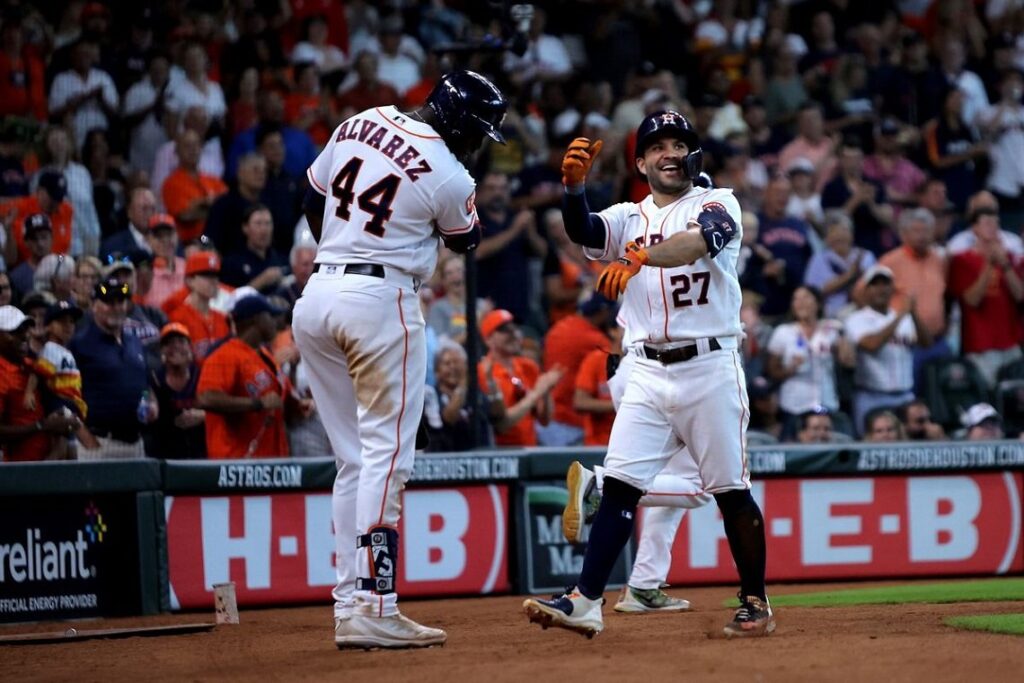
<point>670,186</point>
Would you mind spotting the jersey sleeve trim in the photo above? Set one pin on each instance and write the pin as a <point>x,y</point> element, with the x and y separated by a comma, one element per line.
<point>459,231</point>
<point>600,254</point>
<point>312,181</point>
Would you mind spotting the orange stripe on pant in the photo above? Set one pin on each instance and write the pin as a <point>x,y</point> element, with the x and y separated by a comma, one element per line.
<point>398,434</point>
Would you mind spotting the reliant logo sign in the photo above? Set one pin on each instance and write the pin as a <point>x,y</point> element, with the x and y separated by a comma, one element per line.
<point>40,558</point>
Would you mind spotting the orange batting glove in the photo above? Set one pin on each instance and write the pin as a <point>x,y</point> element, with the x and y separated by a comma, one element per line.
<point>615,277</point>
<point>578,159</point>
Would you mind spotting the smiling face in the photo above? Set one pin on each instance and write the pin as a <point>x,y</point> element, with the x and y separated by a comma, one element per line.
<point>805,305</point>
<point>453,276</point>
<point>663,164</point>
<point>878,293</point>
<point>817,429</point>
<point>451,368</point>
<point>884,427</point>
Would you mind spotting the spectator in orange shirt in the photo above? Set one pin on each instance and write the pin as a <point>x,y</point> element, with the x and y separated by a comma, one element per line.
<point>566,345</point>
<point>368,91</point>
<point>920,269</point>
<point>592,397</point>
<point>187,193</point>
<point>307,108</point>
<point>25,432</point>
<point>205,325</point>
<point>517,379</point>
<point>21,75</point>
<point>242,390</point>
<point>50,199</point>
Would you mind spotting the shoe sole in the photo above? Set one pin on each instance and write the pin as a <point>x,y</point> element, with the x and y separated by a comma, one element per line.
<point>370,643</point>
<point>547,618</point>
<point>572,514</point>
<point>758,632</point>
<point>636,608</point>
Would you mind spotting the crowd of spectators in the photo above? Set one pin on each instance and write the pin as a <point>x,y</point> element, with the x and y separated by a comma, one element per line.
<point>152,169</point>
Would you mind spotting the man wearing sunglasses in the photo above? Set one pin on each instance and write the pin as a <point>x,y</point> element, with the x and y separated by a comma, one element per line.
<point>113,370</point>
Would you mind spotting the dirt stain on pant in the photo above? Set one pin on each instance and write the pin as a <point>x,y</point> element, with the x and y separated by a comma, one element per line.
<point>369,378</point>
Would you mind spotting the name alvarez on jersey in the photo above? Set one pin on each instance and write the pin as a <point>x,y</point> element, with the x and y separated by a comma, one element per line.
<point>372,134</point>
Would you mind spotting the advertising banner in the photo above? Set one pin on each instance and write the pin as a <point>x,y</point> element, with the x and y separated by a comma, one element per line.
<point>547,562</point>
<point>279,548</point>
<point>872,527</point>
<point>68,557</point>
<point>305,474</point>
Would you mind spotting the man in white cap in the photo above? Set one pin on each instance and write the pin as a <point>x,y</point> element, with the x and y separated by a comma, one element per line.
<point>883,336</point>
<point>983,423</point>
<point>25,431</point>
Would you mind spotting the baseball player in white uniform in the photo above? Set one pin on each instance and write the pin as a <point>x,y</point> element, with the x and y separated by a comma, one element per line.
<point>676,489</point>
<point>677,253</point>
<point>384,188</point>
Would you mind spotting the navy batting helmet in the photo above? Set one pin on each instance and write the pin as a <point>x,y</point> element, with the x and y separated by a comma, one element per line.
<point>466,104</point>
<point>671,124</point>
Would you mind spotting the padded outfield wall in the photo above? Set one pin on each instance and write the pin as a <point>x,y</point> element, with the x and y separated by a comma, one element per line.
<point>91,539</point>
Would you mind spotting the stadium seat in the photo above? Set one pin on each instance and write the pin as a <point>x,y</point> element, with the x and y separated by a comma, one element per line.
<point>1010,404</point>
<point>1013,370</point>
<point>842,423</point>
<point>950,387</point>
<point>759,438</point>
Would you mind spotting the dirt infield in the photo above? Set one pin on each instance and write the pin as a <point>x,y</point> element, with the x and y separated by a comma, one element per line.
<point>490,640</point>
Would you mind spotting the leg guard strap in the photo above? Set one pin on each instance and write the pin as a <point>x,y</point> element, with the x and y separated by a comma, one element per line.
<point>382,542</point>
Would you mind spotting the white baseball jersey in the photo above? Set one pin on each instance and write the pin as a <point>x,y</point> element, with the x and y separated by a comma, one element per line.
<point>814,383</point>
<point>391,185</point>
<point>664,305</point>
<point>891,368</point>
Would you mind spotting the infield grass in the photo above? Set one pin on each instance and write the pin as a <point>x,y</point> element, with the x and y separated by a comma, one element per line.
<point>1012,624</point>
<point>980,590</point>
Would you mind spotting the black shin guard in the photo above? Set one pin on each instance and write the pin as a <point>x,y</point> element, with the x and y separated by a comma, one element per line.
<point>744,527</point>
<point>610,532</point>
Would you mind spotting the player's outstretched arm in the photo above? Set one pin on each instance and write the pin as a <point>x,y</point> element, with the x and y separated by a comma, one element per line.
<point>582,226</point>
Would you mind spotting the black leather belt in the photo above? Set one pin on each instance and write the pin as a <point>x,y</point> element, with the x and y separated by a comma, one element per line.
<point>371,269</point>
<point>679,354</point>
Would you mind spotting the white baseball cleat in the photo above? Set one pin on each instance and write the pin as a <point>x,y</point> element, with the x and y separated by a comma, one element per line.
<point>397,631</point>
<point>649,600</point>
<point>572,611</point>
<point>580,481</point>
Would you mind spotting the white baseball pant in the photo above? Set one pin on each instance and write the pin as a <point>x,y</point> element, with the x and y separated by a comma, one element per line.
<point>362,339</point>
<point>674,490</point>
